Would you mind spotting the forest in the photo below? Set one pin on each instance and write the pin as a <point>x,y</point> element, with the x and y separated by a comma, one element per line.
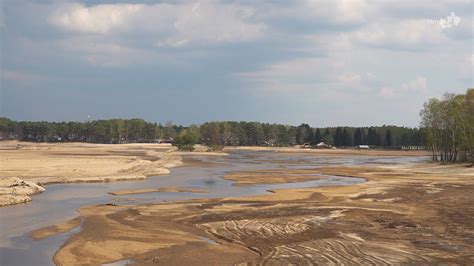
<point>447,128</point>
<point>216,133</point>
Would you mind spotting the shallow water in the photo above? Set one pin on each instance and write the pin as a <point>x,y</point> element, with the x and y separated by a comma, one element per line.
<point>60,201</point>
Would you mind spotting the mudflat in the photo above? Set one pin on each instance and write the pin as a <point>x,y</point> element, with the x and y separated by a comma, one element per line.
<point>419,213</point>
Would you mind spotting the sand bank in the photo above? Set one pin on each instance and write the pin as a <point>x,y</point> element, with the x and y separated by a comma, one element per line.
<point>274,176</point>
<point>14,190</point>
<point>408,214</point>
<point>42,163</point>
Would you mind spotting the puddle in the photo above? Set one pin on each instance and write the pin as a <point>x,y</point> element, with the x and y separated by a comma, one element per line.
<point>119,263</point>
<point>208,240</point>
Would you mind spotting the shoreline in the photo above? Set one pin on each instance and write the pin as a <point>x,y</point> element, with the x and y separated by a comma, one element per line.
<point>162,189</point>
<point>332,152</point>
<point>379,217</point>
<point>25,167</point>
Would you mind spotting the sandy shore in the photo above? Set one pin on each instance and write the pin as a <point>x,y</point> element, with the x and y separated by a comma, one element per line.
<point>25,167</point>
<point>403,214</point>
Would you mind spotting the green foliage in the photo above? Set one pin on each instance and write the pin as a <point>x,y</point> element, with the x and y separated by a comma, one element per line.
<point>186,139</point>
<point>449,123</point>
<point>304,134</point>
<point>317,137</point>
<point>372,137</point>
<point>358,137</point>
<point>388,138</point>
<point>327,137</point>
<point>338,137</point>
<point>213,134</point>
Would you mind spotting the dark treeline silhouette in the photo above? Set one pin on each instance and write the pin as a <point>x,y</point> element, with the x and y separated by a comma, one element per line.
<point>99,131</point>
<point>217,133</point>
<point>264,134</point>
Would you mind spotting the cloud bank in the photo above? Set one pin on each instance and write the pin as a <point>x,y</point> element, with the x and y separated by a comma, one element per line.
<point>355,62</point>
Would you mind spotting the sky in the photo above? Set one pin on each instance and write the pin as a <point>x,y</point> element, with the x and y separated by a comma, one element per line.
<point>322,62</point>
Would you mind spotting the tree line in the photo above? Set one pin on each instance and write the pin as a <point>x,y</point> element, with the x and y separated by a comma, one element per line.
<point>264,134</point>
<point>449,123</point>
<point>214,134</point>
<point>98,131</point>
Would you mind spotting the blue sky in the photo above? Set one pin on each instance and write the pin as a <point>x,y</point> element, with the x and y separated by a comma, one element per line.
<point>326,63</point>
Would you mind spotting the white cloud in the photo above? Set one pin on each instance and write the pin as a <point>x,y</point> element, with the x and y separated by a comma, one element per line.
<point>172,25</point>
<point>415,86</point>
<point>215,23</point>
<point>98,51</point>
<point>94,19</point>
<point>343,11</point>
<point>406,34</point>
<point>350,78</point>
<point>324,77</point>
<point>118,35</point>
<point>387,92</point>
<point>297,75</point>
<point>339,13</point>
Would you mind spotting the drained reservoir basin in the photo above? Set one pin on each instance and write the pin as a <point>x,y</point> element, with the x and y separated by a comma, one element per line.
<point>60,201</point>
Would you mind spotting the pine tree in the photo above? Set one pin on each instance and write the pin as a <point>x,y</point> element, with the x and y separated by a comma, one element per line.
<point>388,138</point>
<point>346,138</point>
<point>372,138</point>
<point>317,136</point>
<point>338,137</point>
<point>358,138</point>
<point>327,137</point>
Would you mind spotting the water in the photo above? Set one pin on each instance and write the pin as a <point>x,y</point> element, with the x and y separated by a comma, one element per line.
<point>59,201</point>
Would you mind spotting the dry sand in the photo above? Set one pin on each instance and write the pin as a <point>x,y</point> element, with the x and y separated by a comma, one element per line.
<point>409,214</point>
<point>25,167</point>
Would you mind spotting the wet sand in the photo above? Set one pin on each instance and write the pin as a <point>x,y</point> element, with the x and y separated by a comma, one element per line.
<point>55,229</point>
<point>45,163</point>
<point>403,214</point>
<point>163,189</point>
<point>274,176</point>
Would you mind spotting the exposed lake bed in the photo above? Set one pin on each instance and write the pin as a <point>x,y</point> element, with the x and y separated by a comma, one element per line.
<point>298,201</point>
